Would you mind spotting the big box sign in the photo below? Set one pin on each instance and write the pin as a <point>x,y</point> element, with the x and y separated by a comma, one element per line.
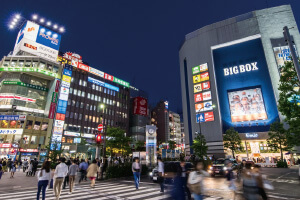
<point>245,91</point>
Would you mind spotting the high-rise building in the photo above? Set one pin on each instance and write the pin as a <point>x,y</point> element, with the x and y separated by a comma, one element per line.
<point>230,73</point>
<point>160,118</point>
<point>175,128</point>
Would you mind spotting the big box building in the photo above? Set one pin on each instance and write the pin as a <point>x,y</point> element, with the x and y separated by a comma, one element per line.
<point>230,72</point>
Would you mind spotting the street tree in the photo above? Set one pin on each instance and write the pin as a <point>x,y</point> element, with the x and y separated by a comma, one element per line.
<point>116,140</point>
<point>289,101</point>
<point>199,146</point>
<point>278,138</point>
<point>139,145</point>
<point>232,140</point>
<point>172,144</point>
<point>54,150</point>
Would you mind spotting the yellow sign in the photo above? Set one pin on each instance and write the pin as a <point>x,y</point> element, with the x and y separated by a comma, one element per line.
<point>197,88</point>
<point>66,78</point>
<point>196,79</point>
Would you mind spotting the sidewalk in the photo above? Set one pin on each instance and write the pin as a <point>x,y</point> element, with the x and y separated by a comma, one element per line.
<point>20,180</point>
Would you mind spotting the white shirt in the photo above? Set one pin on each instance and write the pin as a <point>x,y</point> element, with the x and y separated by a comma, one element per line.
<point>161,167</point>
<point>45,177</point>
<point>61,170</point>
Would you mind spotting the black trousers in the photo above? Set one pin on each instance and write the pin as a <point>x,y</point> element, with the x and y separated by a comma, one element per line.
<point>262,193</point>
<point>66,181</point>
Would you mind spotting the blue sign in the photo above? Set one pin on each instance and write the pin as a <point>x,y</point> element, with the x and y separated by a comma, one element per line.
<point>21,33</point>
<point>246,96</point>
<point>62,106</point>
<point>201,116</point>
<point>77,140</point>
<point>68,70</point>
<point>48,38</point>
<point>10,117</point>
<point>103,84</point>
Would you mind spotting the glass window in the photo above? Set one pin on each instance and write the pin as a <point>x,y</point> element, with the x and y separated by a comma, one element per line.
<point>42,65</point>
<point>70,91</point>
<point>87,106</point>
<point>69,101</point>
<point>80,116</point>
<point>86,117</point>
<point>72,79</point>
<point>93,86</point>
<point>34,64</point>
<point>92,96</point>
<point>17,139</point>
<point>81,105</point>
<point>94,107</point>
<point>94,119</point>
<point>77,104</point>
<point>73,102</point>
<point>42,140</point>
<point>29,124</point>
<point>75,92</point>
<point>67,113</point>
<point>49,67</point>
<point>97,120</point>
<point>97,87</point>
<point>110,102</point>
<point>99,99</point>
<point>37,125</point>
<point>84,83</point>
<point>83,94</point>
<point>104,100</point>
<point>6,63</point>
<point>75,115</point>
<point>90,118</point>
<point>33,139</point>
<point>71,114</point>
<point>79,93</point>
<point>25,139</point>
<point>105,90</point>
<point>91,107</point>
<point>20,63</point>
<point>80,82</point>
<point>88,95</point>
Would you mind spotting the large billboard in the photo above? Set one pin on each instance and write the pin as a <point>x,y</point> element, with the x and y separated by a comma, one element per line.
<point>140,106</point>
<point>246,96</point>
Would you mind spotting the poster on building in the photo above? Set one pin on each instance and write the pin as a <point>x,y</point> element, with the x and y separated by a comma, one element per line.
<point>196,79</point>
<point>247,105</point>
<point>208,106</point>
<point>140,106</point>
<point>203,67</point>
<point>197,88</point>
<point>206,95</point>
<point>196,70</point>
<point>204,76</point>
<point>209,116</point>
<point>199,107</point>
<point>206,85</point>
<point>198,97</point>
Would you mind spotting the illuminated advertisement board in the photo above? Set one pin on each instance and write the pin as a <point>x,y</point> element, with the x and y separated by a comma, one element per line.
<point>246,96</point>
<point>197,88</point>
<point>196,79</point>
<point>140,106</point>
<point>103,84</point>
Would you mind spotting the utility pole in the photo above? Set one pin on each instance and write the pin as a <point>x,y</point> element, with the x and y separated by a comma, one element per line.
<point>288,40</point>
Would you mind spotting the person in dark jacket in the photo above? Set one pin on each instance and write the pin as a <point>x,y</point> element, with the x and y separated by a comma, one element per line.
<point>66,180</point>
<point>34,166</point>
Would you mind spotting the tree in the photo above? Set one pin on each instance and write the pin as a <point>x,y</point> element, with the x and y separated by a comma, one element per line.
<point>117,140</point>
<point>172,144</point>
<point>289,99</point>
<point>278,138</point>
<point>232,140</point>
<point>54,153</point>
<point>199,146</point>
<point>139,145</point>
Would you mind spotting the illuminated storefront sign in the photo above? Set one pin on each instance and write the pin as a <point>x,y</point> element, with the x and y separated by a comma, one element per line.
<point>251,135</point>
<point>140,106</point>
<point>28,69</point>
<point>13,117</point>
<point>206,96</point>
<point>121,82</point>
<point>203,67</point>
<point>198,97</point>
<point>5,145</point>
<point>63,60</point>
<point>197,88</point>
<point>103,84</point>
<point>25,85</point>
<point>240,69</point>
<point>209,116</point>
<point>67,78</point>
<point>97,72</point>
<point>83,67</point>
<point>108,77</point>
<point>196,70</point>
<point>74,134</point>
<point>7,131</point>
<point>206,85</point>
<point>204,76</point>
<point>196,79</point>
<point>29,150</point>
<point>3,96</point>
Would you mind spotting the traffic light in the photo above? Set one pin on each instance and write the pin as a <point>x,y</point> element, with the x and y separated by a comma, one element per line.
<point>98,139</point>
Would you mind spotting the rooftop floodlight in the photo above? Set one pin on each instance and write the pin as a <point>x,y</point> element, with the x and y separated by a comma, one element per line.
<point>49,33</point>
<point>13,23</point>
<point>34,17</point>
<point>48,23</point>
<point>61,29</point>
<point>17,16</point>
<point>42,20</point>
<point>55,26</point>
<point>43,30</point>
<point>15,20</point>
<point>11,26</point>
<point>55,35</point>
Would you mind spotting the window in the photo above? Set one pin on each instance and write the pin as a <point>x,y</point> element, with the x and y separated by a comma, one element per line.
<point>80,82</point>
<point>99,99</point>
<point>84,83</point>
<point>97,87</point>
<point>17,139</point>
<point>118,104</point>
<point>88,95</point>
<point>81,105</point>
<point>75,92</point>
<point>91,107</point>
<point>77,104</point>
<point>42,65</point>
<point>80,116</point>
<point>105,90</point>
<point>90,118</point>
<point>112,122</point>
<point>86,117</point>
<point>87,106</point>
<point>69,101</point>
<point>103,100</point>
<point>37,125</point>
<point>25,139</point>
<point>42,140</point>
<point>70,91</point>
<point>97,120</point>
<point>94,107</point>
<point>110,102</point>
<point>29,124</point>
<point>79,93</point>
<point>67,113</point>
<point>83,94</point>
<point>33,139</point>
<point>75,115</point>
<point>71,115</point>
<point>94,119</point>
<point>73,102</point>
<point>72,79</point>
<point>92,97</point>
<point>114,93</point>
<point>93,86</point>
<point>109,111</point>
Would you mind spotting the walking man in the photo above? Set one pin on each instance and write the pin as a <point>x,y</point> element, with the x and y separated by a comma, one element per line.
<point>161,172</point>
<point>83,167</point>
<point>34,166</point>
<point>61,171</point>
<point>136,169</point>
<point>73,169</point>
<point>25,165</point>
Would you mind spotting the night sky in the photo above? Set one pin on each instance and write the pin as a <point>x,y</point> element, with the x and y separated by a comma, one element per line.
<point>135,40</point>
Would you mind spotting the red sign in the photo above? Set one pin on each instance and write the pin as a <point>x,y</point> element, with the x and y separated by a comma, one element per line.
<point>57,85</point>
<point>83,67</point>
<point>108,77</point>
<point>60,116</point>
<point>204,76</point>
<point>73,56</point>
<point>198,97</point>
<point>100,127</point>
<point>52,110</point>
<point>5,145</point>
<point>209,116</point>
<point>140,106</point>
<point>30,46</point>
<point>29,150</point>
<point>17,97</point>
<point>206,85</point>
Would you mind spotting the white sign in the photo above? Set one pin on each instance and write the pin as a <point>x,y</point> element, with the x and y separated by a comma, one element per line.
<point>206,95</point>
<point>251,135</point>
<point>240,69</point>
<point>88,136</point>
<point>65,84</point>
<point>74,134</point>
<point>97,72</point>
<point>59,123</point>
<point>8,131</point>
<point>208,105</point>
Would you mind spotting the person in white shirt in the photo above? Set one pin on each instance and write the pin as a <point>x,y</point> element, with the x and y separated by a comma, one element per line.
<point>44,177</point>
<point>61,171</point>
<point>195,181</point>
<point>136,169</point>
<point>161,172</point>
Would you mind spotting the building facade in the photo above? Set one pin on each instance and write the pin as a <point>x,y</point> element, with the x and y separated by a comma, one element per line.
<point>175,128</point>
<point>230,73</point>
<point>160,118</point>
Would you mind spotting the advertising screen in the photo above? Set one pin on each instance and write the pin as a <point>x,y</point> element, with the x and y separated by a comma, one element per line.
<point>246,96</point>
<point>247,105</point>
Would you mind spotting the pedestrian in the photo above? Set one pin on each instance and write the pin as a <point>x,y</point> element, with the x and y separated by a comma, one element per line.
<point>66,180</point>
<point>61,171</point>
<point>83,166</point>
<point>1,170</point>
<point>195,181</point>
<point>136,169</point>
<point>73,169</point>
<point>178,190</point>
<point>9,164</point>
<point>29,170</point>
<point>241,167</point>
<point>25,165</point>
<point>4,165</point>
<point>13,169</point>
<point>184,177</point>
<point>44,177</point>
<point>230,179</point>
<point>260,182</point>
<point>34,166</point>
<point>92,171</point>
<point>161,171</point>
<point>250,187</point>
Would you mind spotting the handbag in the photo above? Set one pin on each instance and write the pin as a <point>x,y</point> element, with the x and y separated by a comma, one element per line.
<point>195,188</point>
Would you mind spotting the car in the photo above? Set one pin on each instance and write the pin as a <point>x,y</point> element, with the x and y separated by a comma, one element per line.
<point>170,169</point>
<point>218,167</point>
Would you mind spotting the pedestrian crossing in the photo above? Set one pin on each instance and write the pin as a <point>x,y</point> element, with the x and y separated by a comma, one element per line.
<point>108,190</point>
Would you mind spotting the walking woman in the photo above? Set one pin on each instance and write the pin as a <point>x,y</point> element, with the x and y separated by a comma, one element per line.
<point>13,169</point>
<point>44,177</point>
<point>195,181</point>
<point>92,171</point>
<point>136,169</point>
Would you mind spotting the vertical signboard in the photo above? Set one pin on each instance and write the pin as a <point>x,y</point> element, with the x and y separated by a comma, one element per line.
<point>61,108</point>
<point>151,144</point>
<point>140,106</point>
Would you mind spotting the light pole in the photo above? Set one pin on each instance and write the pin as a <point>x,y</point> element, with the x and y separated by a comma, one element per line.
<point>104,134</point>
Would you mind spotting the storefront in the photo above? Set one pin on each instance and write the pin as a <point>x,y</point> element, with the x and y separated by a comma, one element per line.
<point>28,154</point>
<point>8,150</point>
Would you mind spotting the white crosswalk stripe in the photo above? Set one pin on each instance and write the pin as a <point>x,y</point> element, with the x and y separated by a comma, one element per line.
<point>108,190</point>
